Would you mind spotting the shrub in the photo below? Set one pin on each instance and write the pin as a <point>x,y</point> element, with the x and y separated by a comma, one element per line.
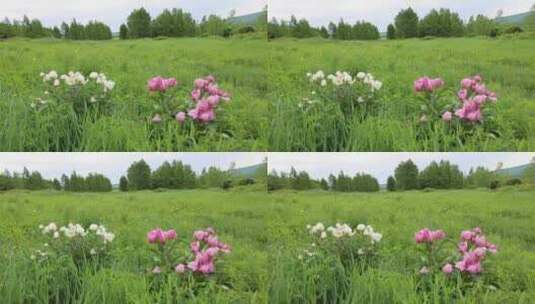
<point>83,245</point>
<point>195,265</point>
<point>353,247</point>
<point>513,182</point>
<point>247,181</point>
<point>246,29</point>
<point>226,185</point>
<point>495,184</point>
<point>353,95</point>
<point>464,264</point>
<point>513,30</point>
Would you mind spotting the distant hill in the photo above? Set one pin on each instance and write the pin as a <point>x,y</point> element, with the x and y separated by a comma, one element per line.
<point>249,19</point>
<point>515,172</point>
<point>249,171</point>
<point>517,19</point>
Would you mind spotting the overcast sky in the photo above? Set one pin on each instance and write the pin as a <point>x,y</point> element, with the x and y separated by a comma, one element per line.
<point>383,12</point>
<point>113,165</point>
<point>382,165</point>
<point>115,12</point>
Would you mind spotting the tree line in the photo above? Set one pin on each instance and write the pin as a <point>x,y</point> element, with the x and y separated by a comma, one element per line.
<point>407,24</point>
<point>407,176</point>
<point>341,183</point>
<point>139,24</point>
<point>139,176</point>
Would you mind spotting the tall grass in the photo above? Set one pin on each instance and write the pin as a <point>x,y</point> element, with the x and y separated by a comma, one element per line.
<point>506,216</point>
<point>237,63</point>
<point>237,215</point>
<point>267,233</point>
<point>507,67</point>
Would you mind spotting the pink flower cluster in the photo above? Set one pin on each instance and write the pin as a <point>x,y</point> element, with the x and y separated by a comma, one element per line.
<point>426,84</point>
<point>473,96</point>
<point>160,84</point>
<point>159,236</point>
<point>207,96</point>
<point>428,236</point>
<point>205,247</point>
<point>473,247</point>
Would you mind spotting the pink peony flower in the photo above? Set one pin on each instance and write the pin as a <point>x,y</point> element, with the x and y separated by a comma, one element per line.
<point>467,83</point>
<point>160,84</point>
<point>426,84</point>
<point>466,235</point>
<point>447,269</point>
<point>180,117</point>
<point>170,235</point>
<point>200,235</point>
<point>447,116</point>
<point>180,268</point>
<point>437,235</point>
<point>156,236</point>
<point>423,236</point>
<point>463,95</point>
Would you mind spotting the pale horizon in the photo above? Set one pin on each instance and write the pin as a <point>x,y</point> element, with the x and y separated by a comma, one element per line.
<point>114,13</point>
<point>115,165</point>
<point>382,13</point>
<point>382,165</point>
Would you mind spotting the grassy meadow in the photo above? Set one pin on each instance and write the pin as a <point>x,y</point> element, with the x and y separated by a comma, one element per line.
<point>506,65</point>
<point>267,233</point>
<point>238,217</point>
<point>505,217</point>
<point>237,63</point>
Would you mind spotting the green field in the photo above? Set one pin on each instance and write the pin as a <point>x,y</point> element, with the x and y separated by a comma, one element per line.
<point>506,65</point>
<point>267,233</point>
<point>506,217</point>
<point>238,217</point>
<point>238,65</point>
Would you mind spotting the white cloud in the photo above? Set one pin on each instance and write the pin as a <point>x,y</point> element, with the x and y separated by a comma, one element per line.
<point>113,165</point>
<point>115,12</point>
<point>383,12</point>
<point>382,165</point>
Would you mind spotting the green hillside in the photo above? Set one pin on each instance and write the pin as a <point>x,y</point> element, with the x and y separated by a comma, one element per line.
<point>517,19</point>
<point>516,172</point>
<point>249,171</point>
<point>249,19</point>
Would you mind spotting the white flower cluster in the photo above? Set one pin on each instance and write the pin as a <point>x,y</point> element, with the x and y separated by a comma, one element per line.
<point>341,77</point>
<point>77,78</point>
<point>341,230</point>
<point>73,230</point>
<point>74,78</point>
<point>101,231</point>
<point>50,76</point>
<point>318,76</point>
<point>344,230</point>
<point>368,79</point>
<point>101,79</point>
<point>367,230</point>
<point>319,228</point>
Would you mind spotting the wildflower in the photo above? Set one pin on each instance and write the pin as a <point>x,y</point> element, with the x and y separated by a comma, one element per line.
<point>160,84</point>
<point>427,236</point>
<point>424,270</point>
<point>447,116</point>
<point>180,117</point>
<point>156,119</point>
<point>180,268</point>
<point>156,270</point>
<point>426,84</point>
<point>447,269</point>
